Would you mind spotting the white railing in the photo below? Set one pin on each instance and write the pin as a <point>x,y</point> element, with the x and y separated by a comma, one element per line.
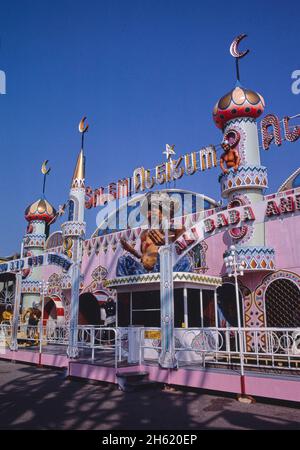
<point>150,344</point>
<point>261,347</point>
<point>90,337</point>
<point>5,335</point>
<point>100,338</point>
<point>49,334</point>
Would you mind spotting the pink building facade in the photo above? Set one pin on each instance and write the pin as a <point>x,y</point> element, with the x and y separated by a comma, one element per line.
<point>112,280</point>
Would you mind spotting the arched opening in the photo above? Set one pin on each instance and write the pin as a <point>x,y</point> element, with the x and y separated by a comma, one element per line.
<point>54,311</point>
<point>227,311</point>
<point>50,311</point>
<point>282,300</point>
<point>89,310</point>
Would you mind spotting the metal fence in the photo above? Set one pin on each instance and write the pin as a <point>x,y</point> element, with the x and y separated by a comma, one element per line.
<point>262,348</point>
<point>274,348</point>
<point>90,337</point>
<point>5,335</point>
<point>97,338</point>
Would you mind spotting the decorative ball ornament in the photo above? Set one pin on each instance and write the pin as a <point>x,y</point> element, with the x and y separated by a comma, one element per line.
<point>40,210</point>
<point>237,103</point>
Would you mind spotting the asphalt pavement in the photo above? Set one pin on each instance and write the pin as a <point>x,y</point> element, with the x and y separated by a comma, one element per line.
<point>43,398</point>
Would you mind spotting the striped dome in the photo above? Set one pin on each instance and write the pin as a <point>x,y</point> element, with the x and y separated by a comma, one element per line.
<point>239,102</point>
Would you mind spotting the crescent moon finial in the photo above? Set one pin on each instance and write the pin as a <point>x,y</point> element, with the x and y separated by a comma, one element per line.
<point>44,169</point>
<point>234,47</point>
<point>83,128</point>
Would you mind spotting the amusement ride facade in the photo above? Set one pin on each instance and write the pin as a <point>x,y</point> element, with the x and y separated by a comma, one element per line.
<point>218,297</point>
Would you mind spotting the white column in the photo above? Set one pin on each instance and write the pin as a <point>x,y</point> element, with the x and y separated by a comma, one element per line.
<point>185,308</point>
<point>72,350</point>
<point>167,358</point>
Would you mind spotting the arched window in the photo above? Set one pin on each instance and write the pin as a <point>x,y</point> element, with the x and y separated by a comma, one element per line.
<point>71,211</point>
<point>282,300</point>
<point>50,311</point>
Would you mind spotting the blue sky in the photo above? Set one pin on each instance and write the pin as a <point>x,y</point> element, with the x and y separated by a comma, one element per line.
<point>146,73</point>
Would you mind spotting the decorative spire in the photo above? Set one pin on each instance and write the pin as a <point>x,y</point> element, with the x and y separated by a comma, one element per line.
<point>79,172</point>
<point>238,54</point>
<point>45,172</point>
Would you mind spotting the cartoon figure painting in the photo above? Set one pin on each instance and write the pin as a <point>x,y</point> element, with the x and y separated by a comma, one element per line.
<point>147,259</point>
<point>231,156</point>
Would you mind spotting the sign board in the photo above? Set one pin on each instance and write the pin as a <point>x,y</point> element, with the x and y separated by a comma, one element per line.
<point>16,265</point>
<point>188,164</point>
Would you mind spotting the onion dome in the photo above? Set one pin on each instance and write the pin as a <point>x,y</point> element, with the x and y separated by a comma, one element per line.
<point>239,102</point>
<point>40,210</point>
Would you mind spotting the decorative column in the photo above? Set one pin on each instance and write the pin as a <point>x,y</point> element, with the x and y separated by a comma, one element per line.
<point>167,358</point>
<point>243,179</point>
<point>39,215</point>
<point>72,350</point>
<point>73,236</point>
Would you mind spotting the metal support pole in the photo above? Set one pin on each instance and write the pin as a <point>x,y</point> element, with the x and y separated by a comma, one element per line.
<point>236,269</point>
<point>237,297</point>
<point>16,312</point>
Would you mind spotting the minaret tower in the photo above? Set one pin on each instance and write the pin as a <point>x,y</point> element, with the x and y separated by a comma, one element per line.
<point>73,235</point>
<point>39,216</point>
<point>244,179</point>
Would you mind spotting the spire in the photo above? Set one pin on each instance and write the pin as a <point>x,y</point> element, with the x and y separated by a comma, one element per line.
<point>79,172</point>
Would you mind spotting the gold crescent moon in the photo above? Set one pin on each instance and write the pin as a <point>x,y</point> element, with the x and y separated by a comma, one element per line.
<point>83,128</point>
<point>234,47</point>
<point>44,169</point>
